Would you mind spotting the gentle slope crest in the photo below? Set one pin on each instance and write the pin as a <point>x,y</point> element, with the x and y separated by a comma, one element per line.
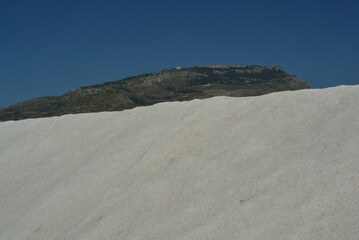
<point>278,166</point>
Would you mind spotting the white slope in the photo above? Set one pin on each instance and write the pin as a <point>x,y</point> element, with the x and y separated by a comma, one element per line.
<point>279,166</point>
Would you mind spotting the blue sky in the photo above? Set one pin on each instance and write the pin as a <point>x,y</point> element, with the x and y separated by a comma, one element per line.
<point>50,47</point>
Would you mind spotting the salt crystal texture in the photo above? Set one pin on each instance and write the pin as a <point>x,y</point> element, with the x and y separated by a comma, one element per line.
<point>279,166</point>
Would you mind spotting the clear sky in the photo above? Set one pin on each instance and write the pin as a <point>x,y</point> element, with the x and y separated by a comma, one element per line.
<point>52,46</point>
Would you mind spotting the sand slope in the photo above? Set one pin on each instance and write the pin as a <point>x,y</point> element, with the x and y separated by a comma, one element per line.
<point>279,166</point>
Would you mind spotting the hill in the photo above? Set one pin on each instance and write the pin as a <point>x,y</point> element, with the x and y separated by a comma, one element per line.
<point>279,166</point>
<point>169,85</point>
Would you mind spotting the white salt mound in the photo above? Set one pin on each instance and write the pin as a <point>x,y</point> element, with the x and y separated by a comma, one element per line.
<point>279,166</point>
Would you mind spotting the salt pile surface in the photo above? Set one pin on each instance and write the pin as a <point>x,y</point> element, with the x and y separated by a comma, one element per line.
<point>279,166</point>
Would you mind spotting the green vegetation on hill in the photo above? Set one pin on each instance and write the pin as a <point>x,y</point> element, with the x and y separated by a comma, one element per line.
<point>168,85</point>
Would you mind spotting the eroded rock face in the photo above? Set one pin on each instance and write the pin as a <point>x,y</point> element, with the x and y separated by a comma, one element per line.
<point>177,84</point>
<point>275,167</point>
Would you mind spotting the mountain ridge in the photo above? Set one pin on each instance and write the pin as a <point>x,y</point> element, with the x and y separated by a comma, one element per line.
<point>176,84</point>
